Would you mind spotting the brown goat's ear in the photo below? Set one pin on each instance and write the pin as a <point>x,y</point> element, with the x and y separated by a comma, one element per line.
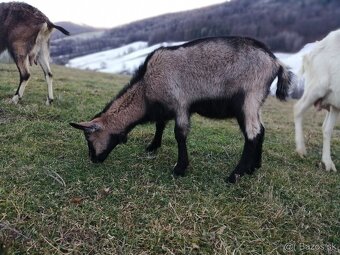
<point>88,127</point>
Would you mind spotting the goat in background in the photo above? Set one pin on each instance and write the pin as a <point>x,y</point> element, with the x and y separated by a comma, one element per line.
<point>321,71</point>
<point>25,32</point>
<point>222,77</point>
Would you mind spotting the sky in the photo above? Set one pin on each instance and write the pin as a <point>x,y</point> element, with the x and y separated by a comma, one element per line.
<point>106,13</point>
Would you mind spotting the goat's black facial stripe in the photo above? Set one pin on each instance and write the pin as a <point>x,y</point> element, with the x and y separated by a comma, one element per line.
<point>113,142</point>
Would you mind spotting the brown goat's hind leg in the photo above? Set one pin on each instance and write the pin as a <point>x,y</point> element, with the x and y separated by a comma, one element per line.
<point>250,159</point>
<point>253,132</point>
<point>181,132</point>
<point>22,64</point>
<point>32,59</point>
<point>157,139</point>
<point>43,60</point>
<point>258,155</point>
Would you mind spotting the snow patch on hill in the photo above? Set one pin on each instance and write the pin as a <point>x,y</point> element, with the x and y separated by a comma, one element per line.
<point>125,59</point>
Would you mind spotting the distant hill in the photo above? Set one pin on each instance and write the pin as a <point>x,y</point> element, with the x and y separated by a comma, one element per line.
<point>285,25</point>
<point>74,29</point>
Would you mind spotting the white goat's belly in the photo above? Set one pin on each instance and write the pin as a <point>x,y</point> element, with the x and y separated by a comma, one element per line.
<point>332,99</point>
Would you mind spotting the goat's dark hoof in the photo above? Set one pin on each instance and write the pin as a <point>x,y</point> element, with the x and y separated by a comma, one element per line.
<point>49,101</point>
<point>179,171</point>
<point>250,170</point>
<point>258,165</point>
<point>152,147</point>
<point>233,178</point>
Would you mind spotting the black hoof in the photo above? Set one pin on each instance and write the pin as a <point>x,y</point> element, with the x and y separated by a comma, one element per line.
<point>233,178</point>
<point>49,101</point>
<point>152,147</point>
<point>258,165</point>
<point>250,170</point>
<point>179,171</point>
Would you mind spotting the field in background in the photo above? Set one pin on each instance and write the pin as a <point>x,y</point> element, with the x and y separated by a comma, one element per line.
<point>5,58</point>
<point>54,201</point>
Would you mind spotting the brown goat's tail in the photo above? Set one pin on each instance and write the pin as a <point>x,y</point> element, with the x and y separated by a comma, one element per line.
<point>61,29</point>
<point>286,80</point>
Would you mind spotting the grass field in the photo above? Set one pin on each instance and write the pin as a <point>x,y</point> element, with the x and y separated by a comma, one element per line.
<point>54,201</point>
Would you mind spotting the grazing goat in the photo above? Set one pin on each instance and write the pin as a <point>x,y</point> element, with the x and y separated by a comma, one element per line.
<point>222,77</point>
<point>25,32</point>
<point>321,71</point>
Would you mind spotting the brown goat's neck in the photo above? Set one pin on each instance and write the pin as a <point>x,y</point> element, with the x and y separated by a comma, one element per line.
<point>126,111</point>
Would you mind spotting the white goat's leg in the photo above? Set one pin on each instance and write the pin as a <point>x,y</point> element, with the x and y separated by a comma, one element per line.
<point>327,129</point>
<point>311,95</point>
<point>299,109</point>
<point>43,60</point>
<point>325,120</point>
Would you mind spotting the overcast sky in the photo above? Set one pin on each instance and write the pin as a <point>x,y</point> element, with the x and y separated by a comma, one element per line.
<point>111,13</point>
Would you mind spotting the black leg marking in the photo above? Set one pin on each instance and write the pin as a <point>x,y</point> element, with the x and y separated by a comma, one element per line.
<point>157,139</point>
<point>243,165</point>
<point>22,65</point>
<point>23,77</point>
<point>50,101</point>
<point>251,157</point>
<point>258,151</point>
<point>182,161</point>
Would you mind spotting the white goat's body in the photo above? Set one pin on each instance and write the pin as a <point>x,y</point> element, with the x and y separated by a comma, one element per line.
<point>321,71</point>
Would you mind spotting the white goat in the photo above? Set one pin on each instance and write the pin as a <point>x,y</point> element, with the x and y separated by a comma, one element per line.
<point>321,71</point>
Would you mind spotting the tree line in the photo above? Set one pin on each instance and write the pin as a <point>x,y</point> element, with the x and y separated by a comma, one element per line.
<point>284,25</point>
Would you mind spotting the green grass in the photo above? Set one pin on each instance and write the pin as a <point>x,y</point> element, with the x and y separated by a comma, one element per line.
<point>54,201</point>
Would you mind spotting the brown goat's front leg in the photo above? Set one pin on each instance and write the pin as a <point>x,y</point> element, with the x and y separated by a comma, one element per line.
<point>181,132</point>
<point>157,139</point>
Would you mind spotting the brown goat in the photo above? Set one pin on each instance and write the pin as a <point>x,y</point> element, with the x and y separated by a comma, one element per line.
<point>25,32</point>
<point>226,77</point>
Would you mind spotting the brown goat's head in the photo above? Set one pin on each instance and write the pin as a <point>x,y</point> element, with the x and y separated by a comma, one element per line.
<point>100,140</point>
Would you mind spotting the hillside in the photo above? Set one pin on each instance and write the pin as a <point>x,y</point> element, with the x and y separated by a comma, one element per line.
<point>74,29</point>
<point>53,200</point>
<point>285,25</point>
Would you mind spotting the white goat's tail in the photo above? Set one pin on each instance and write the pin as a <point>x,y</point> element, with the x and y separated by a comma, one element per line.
<point>285,82</point>
<point>304,66</point>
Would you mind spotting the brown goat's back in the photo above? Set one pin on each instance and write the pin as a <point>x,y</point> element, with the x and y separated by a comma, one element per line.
<point>209,69</point>
<point>20,24</point>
